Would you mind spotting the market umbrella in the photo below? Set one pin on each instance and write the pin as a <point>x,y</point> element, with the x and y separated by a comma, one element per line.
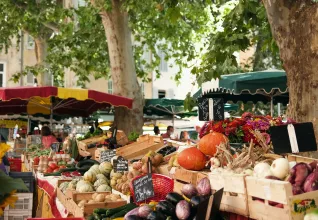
<point>265,86</point>
<point>61,101</point>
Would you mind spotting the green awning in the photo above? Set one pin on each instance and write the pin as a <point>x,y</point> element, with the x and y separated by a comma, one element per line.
<point>263,82</point>
<point>164,107</point>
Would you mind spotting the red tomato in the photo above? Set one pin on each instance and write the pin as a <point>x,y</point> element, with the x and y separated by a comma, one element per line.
<point>36,160</point>
<point>50,159</point>
<point>53,166</point>
<point>62,167</point>
<point>56,170</point>
<point>49,170</point>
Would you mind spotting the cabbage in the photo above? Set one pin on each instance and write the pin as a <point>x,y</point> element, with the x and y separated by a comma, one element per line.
<point>312,215</point>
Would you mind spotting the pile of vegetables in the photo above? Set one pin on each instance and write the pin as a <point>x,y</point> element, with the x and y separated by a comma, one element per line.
<point>175,206</point>
<point>89,135</point>
<point>96,178</point>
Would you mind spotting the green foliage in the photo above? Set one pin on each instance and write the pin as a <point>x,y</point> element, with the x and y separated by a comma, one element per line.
<point>189,102</point>
<point>133,136</point>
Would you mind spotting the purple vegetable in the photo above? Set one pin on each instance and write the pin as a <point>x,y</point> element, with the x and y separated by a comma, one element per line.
<point>132,212</point>
<point>204,187</point>
<point>297,190</point>
<point>272,178</point>
<point>189,190</point>
<point>313,165</point>
<point>311,183</point>
<point>299,173</point>
<point>144,211</point>
<point>183,210</point>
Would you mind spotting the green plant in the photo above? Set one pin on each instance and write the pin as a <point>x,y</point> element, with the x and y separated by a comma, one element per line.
<point>133,136</point>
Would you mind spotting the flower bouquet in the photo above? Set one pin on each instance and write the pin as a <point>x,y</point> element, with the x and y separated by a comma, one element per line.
<point>238,130</point>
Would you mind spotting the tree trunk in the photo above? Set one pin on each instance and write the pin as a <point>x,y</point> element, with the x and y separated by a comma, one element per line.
<point>123,70</point>
<point>295,28</point>
<point>41,53</point>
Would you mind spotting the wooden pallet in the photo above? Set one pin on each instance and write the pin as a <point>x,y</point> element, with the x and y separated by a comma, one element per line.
<point>83,149</point>
<point>300,159</point>
<point>234,195</point>
<point>140,148</point>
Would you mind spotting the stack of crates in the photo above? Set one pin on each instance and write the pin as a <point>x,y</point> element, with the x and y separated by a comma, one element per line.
<point>24,205</point>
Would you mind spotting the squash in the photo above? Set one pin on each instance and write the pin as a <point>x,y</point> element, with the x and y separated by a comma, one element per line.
<point>99,182</point>
<point>105,168</point>
<point>89,176</point>
<point>209,142</point>
<point>103,188</point>
<point>192,159</point>
<point>72,184</point>
<point>100,176</point>
<point>85,187</point>
<point>63,186</point>
<point>116,175</point>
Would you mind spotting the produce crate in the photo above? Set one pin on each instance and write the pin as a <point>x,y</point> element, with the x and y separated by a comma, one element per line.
<point>83,145</point>
<point>15,164</point>
<point>27,178</point>
<point>69,201</point>
<point>140,148</point>
<point>189,176</point>
<point>24,203</point>
<point>16,215</point>
<point>234,198</point>
<point>294,207</point>
<point>299,159</point>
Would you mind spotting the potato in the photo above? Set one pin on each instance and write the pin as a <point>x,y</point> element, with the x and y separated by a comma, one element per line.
<point>91,201</point>
<point>124,178</point>
<point>100,198</point>
<point>119,181</point>
<point>94,196</point>
<point>130,175</point>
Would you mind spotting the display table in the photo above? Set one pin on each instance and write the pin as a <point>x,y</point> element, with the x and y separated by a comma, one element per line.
<point>48,204</point>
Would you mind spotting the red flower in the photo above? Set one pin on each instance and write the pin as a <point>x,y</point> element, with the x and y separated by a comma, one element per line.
<point>218,127</point>
<point>247,115</point>
<point>230,130</point>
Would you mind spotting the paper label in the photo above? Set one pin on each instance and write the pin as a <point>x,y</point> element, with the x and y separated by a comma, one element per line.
<point>267,192</point>
<point>292,138</point>
<point>211,109</point>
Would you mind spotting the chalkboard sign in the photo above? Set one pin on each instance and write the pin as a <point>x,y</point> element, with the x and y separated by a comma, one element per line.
<point>120,165</point>
<point>143,188</point>
<point>211,109</point>
<point>55,147</point>
<point>107,155</point>
<point>210,208</point>
<point>294,138</point>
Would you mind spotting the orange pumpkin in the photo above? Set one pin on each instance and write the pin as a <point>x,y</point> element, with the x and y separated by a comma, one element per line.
<point>192,159</point>
<point>210,141</point>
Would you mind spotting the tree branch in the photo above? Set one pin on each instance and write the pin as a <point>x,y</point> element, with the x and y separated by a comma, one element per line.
<point>52,26</point>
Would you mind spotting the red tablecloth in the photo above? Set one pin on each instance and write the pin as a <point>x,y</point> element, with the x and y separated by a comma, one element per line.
<point>49,188</point>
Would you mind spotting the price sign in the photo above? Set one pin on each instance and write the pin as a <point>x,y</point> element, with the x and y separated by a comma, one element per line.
<point>211,109</point>
<point>35,139</point>
<point>107,155</point>
<point>143,188</point>
<point>120,165</point>
<point>210,208</point>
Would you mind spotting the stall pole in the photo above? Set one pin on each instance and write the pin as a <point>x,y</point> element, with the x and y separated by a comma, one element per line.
<point>278,109</point>
<point>51,118</point>
<point>272,106</point>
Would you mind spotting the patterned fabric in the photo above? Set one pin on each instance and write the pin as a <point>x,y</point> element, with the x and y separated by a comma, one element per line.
<point>47,141</point>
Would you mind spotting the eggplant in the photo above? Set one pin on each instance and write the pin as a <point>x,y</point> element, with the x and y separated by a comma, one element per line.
<point>133,217</point>
<point>196,200</point>
<point>155,215</point>
<point>174,198</point>
<point>183,210</point>
<point>166,208</point>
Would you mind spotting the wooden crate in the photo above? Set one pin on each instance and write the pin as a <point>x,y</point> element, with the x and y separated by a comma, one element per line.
<point>70,202</point>
<point>83,146</point>
<point>234,198</point>
<point>299,159</point>
<point>140,148</point>
<point>294,206</point>
<point>178,186</point>
<point>189,176</point>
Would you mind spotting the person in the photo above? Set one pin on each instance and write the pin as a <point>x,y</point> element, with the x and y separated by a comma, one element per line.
<point>47,138</point>
<point>184,136</point>
<point>156,130</point>
<point>169,132</point>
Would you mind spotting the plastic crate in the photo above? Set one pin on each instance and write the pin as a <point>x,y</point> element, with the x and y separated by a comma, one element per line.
<point>17,215</point>
<point>24,202</point>
<point>27,178</point>
<point>15,164</point>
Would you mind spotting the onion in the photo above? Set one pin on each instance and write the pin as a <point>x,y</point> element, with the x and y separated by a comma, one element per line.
<point>189,190</point>
<point>204,187</point>
<point>261,170</point>
<point>297,190</point>
<point>311,182</point>
<point>299,173</point>
<point>183,210</point>
<point>280,168</point>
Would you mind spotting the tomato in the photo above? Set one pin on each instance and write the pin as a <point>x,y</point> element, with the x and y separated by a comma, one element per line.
<point>36,160</point>
<point>62,167</point>
<point>56,170</point>
<point>53,165</point>
<point>49,170</point>
<point>50,159</point>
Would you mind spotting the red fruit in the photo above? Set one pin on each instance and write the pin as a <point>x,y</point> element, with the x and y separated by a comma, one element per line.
<point>36,160</point>
<point>53,165</point>
<point>49,170</point>
<point>56,170</point>
<point>62,167</point>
